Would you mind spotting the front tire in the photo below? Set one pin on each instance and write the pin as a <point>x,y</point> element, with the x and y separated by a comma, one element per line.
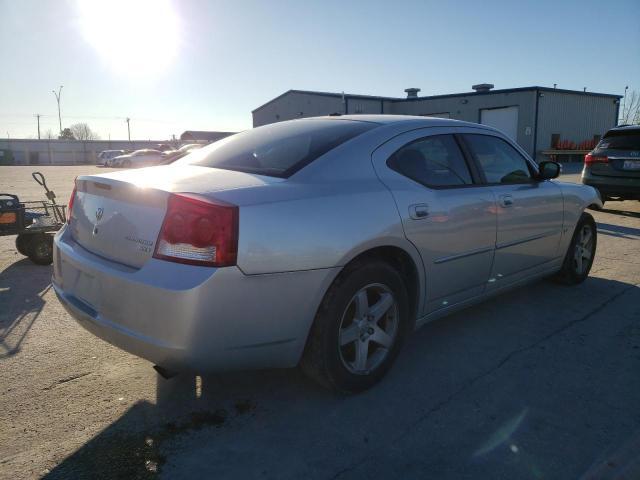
<point>359,328</point>
<point>581,252</point>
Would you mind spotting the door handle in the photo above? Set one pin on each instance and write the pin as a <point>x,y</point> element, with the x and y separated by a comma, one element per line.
<point>506,200</point>
<point>419,211</point>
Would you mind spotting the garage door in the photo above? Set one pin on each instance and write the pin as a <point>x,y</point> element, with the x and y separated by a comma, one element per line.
<point>504,119</point>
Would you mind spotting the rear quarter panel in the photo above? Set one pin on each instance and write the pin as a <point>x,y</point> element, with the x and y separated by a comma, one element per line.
<point>297,226</point>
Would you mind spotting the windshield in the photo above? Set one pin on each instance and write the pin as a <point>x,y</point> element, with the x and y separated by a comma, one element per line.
<point>279,149</point>
<point>621,140</point>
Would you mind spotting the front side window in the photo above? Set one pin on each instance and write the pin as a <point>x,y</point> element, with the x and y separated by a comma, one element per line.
<point>434,161</point>
<point>499,161</point>
<point>279,149</point>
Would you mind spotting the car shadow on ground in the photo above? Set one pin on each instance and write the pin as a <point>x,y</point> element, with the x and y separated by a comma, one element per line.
<point>618,230</point>
<point>620,211</point>
<point>22,288</point>
<point>483,391</point>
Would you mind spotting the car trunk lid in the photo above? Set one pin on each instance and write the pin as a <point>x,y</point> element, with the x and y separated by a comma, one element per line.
<point>118,216</point>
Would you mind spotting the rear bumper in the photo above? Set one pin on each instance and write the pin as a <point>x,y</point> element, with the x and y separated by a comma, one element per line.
<point>625,188</point>
<point>186,317</point>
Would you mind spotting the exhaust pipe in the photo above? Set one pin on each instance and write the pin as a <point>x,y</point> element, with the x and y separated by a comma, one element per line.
<point>164,373</point>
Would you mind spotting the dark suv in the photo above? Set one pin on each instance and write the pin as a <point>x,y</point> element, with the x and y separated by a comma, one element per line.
<point>613,167</point>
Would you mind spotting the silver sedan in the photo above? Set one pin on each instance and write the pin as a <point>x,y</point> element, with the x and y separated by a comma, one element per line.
<point>322,242</point>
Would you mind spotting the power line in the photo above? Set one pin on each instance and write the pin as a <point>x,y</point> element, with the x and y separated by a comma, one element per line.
<point>90,117</point>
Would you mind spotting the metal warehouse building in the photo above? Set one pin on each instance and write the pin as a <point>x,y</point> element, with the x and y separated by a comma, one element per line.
<point>544,121</point>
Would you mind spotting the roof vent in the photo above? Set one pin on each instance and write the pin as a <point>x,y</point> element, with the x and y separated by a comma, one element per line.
<point>482,87</point>
<point>412,92</point>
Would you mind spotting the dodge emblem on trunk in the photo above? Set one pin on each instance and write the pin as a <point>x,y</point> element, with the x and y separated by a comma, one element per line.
<point>99,213</point>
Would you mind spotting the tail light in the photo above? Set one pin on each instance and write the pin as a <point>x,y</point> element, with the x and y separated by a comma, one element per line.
<point>71,200</point>
<point>590,159</point>
<point>198,231</point>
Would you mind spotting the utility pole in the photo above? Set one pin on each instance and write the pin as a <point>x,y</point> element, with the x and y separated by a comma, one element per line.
<point>58,100</point>
<point>128,128</point>
<point>38,117</point>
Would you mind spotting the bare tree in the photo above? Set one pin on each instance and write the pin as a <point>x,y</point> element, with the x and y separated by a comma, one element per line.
<point>630,111</point>
<point>82,131</point>
<point>48,134</point>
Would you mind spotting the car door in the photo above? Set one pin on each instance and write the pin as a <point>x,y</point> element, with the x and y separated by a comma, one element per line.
<point>445,213</point>
<point>529,212</point>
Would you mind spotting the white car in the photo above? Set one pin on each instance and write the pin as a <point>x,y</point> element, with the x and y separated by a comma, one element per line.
<point>190,146</point>
<point>107,156</point>
<point>140,158</point>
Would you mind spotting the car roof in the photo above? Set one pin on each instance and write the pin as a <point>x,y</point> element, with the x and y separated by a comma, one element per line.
<point>395,119</point>
<point>625,128</point>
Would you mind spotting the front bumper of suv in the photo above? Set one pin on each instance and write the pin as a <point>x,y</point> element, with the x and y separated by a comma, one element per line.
<point>608,186</point>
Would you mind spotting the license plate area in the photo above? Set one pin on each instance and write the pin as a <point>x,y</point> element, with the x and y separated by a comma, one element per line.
<point>86,288</point>
<point>631,165</point>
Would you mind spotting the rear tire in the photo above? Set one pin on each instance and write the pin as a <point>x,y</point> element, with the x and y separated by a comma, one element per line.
<point>359,328</point>
<point>581,252</point>
<point>23,243</point>
<point>41,249</point>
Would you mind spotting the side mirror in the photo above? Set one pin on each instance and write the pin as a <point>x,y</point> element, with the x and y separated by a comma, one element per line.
<point>548,170</point>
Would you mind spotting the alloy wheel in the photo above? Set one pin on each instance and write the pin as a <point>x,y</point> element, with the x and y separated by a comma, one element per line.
<point>584,250</point>
<point>368,329</point>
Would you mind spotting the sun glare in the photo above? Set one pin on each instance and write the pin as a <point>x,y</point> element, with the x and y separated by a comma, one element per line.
<point>137,38</point>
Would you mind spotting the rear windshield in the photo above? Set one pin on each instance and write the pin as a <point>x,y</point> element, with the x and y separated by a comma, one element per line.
<point>621,140</point>
<point>279,149</point>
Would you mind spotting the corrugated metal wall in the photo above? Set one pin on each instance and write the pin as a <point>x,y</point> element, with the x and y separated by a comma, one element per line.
<point>297,105</point>
<point>574,116</point>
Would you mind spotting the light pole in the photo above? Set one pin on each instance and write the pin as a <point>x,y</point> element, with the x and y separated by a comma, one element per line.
<point>57,94</point>
<point>624,102</point>
<point>128,129</point>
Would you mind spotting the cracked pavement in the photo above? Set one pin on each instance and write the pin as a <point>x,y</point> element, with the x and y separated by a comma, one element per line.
<point>539,383</point>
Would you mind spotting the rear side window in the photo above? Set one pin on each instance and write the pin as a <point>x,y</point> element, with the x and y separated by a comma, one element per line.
<point>434,161</point>
<point>279,149</point>
<point>621,140</point>
<point>499,161</point>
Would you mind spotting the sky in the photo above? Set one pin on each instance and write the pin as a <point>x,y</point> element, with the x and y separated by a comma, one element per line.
<point>174,65</point>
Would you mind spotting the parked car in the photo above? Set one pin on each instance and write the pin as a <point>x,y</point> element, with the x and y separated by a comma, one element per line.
<point>140,158</point>
<point>174,155</point>
<point>106,156</point>
<point>322,242</point>
<point>613,167</point>
<point>190,146</point>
